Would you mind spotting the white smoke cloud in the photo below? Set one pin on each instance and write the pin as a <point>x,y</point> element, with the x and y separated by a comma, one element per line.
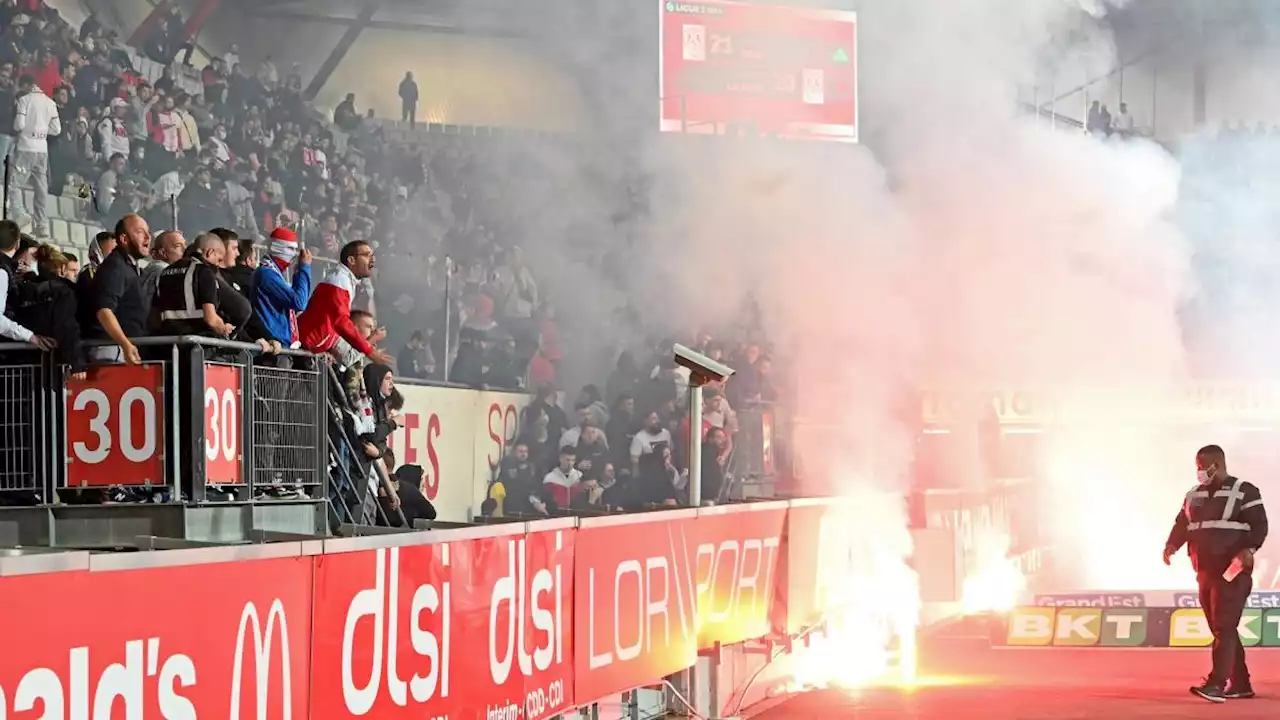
<point>976,249</point>
<point>966,245</point>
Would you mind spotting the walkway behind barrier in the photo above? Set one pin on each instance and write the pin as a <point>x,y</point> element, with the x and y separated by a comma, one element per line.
<point>207,439</point>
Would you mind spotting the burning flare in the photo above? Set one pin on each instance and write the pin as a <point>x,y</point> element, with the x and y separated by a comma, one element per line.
<point>997,584</point>
<point>869,637</point>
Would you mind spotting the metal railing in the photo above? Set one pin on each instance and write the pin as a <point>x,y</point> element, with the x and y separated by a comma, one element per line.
<point>200,420</point>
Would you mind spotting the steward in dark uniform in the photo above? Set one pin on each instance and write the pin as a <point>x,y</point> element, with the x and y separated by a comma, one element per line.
<point>1222,519</point>
<point>185,289</point>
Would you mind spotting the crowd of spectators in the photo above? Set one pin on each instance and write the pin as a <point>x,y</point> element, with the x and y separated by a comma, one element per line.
<point>627,448</point>
<point>243,157</point>
<point>236,148</point>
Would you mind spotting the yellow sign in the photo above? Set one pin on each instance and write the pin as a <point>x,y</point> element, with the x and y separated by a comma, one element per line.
<point>1188,628</point>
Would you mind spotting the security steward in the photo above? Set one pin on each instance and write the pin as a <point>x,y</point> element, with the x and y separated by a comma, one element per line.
<point>1223,522</point>
<point>186,301</point>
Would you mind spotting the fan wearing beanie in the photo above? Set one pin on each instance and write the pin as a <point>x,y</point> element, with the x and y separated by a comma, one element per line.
<point>277,298</point>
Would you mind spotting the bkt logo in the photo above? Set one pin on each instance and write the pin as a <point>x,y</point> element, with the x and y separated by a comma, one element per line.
<point>1259,600</point>
<point>1095,600</point>
<point>1188,628</point>
<point>1077,627</point>
<point>262,645</point>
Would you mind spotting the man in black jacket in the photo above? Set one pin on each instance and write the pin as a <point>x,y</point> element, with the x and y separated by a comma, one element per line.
<point>1222,522</point>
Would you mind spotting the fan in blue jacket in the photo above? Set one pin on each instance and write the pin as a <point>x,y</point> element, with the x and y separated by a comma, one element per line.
<point>276,299</point>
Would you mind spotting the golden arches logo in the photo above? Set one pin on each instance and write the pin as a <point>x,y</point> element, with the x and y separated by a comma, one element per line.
<point>262,646</point>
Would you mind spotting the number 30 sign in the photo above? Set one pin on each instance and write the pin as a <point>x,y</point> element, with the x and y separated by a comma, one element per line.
<point>115,427</point>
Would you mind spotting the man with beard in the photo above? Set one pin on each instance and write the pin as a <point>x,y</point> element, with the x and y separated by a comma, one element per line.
<point>1223,523</point>
<point>116,308</point>
<point>653,436</point>
<point>326,327</point>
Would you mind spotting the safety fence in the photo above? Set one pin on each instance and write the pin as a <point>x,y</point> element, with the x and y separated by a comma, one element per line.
<point>514,620</point>
<point>198,420</point>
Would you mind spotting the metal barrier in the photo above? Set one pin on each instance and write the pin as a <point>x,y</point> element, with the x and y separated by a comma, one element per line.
<point>25,407</point>
<point>207,439</point>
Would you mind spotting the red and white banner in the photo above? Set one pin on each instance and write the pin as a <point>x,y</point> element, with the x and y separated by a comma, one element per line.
<point>789,71</point>
<point>115,426</point>
<point>458,436</point>
<point>653,590</point>
<point>515,621</point>
<point>225,640</point>
<point>470,629</point>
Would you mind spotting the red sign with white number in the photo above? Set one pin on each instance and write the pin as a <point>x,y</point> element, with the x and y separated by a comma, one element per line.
<point>787,71</point>
<point>223,418</point>
<point>471,629</point>
<point>115,426</point>
<point>246,657</point>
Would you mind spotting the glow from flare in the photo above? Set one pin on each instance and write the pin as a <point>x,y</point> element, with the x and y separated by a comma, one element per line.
<point>996,583</point>
<point>872,601</point>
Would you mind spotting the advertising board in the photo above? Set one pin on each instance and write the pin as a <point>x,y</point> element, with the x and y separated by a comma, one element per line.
<point>783,70</point>
<point>458,437</point>
<point>1161,627</point>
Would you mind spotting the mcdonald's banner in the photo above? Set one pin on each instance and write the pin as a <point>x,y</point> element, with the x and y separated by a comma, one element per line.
<point>506,621</point>
<point>1127,627</point>
<point>224,640</point>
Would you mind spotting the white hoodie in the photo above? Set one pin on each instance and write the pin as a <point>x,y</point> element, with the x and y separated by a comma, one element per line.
<point>35,121</point>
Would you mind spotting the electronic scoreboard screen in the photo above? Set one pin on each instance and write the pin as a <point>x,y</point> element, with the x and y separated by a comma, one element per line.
<point>783,71</point>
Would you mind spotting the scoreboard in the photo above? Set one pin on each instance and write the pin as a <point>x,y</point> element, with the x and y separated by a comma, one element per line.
<point>782,71</point>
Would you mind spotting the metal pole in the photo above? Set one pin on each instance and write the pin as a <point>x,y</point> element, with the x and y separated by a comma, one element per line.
<point>1155,87</point>
<point>448,316</point>
<point>173,210</point>
<point>1053,104</point>
<point>695,443</point>
<point>7,171</point>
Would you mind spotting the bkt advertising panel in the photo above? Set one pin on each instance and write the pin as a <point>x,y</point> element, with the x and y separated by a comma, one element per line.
<point>228,640</point>
<point>1163,627</point>
<point>786,71</point>
<point>470,629</point>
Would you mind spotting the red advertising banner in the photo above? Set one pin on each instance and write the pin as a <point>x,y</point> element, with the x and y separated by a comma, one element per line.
<point>787,71</point>
<point>652,591</point>
<point>223,418</point>
<point>522,625</point>
<point>469,629</point>
<point>115,426</point>
<point>634,591</point>
<point>735,566</point>
<point>225,640</point>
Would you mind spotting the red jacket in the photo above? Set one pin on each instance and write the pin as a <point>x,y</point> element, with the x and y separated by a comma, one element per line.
<point>328,315</point>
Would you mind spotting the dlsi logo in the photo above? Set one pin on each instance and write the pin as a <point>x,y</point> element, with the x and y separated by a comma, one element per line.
<point>1077,627</point>
<point>262,646</point>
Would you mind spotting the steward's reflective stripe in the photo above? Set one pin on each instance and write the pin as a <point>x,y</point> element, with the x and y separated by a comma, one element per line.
<point>189,295</point>
<point>1251,503</point>
<point>1219,525</point>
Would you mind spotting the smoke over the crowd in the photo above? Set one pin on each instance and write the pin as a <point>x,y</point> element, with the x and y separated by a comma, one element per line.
<point>963,245</point>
